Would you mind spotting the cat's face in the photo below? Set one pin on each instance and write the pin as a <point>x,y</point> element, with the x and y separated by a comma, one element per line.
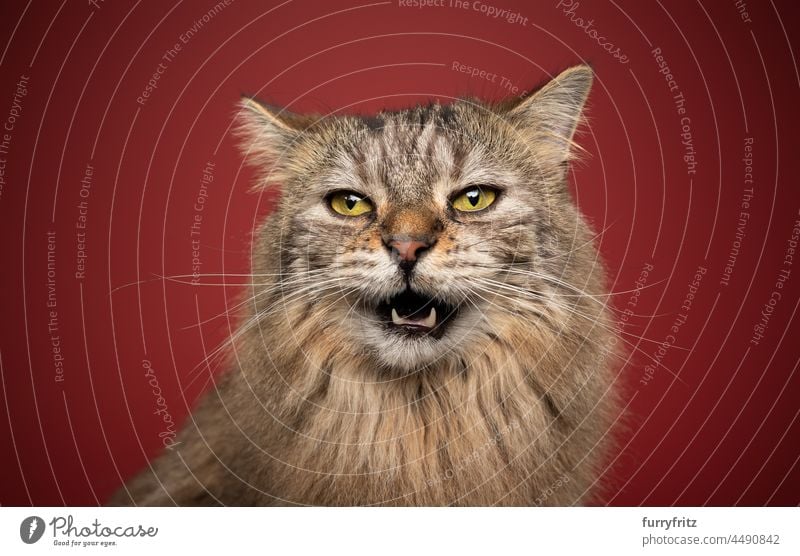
<point>418,233</point>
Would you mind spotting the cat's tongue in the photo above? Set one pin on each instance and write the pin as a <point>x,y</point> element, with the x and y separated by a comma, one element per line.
<point>423,322</point>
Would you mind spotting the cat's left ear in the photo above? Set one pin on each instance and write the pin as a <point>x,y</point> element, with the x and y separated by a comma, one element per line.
<point>551,114</point>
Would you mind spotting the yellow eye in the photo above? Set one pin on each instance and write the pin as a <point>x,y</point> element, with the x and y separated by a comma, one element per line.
<point>474,199</point>
<point>348,203</point>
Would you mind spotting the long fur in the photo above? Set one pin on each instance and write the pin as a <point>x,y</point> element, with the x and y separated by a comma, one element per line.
<point>513,406</point>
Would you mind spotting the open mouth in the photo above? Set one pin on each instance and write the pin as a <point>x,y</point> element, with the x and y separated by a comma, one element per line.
<point>415,314</point>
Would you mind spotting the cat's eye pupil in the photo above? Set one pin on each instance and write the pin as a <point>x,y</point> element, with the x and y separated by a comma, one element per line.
<point>350,201</point>
<point>474,196</point>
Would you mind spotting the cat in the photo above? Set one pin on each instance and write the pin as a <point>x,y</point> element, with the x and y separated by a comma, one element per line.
<point>427,324</point>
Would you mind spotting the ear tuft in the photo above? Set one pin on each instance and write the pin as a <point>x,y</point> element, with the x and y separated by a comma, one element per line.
<point>266,134</point>
<point>552,113</point>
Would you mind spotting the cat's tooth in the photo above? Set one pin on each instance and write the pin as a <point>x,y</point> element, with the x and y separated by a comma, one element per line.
<point>427,322</point>
<point>430,320</point>
<point>396,318</point>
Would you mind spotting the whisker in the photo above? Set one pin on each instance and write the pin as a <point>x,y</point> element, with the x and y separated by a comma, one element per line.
<point>176,277</point>
<point>595,322</point>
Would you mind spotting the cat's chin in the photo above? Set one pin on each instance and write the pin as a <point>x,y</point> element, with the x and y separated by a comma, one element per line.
<point>408,353</point>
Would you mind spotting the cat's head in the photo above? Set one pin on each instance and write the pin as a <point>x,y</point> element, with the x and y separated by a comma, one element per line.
<point>422,233</point>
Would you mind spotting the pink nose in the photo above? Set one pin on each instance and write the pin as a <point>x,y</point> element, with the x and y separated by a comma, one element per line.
<point>407,249</point>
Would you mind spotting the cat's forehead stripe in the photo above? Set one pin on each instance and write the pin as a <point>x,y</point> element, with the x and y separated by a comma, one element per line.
<point>410,150</point>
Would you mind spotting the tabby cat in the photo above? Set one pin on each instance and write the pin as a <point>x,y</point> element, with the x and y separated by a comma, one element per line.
<point>427,323</point>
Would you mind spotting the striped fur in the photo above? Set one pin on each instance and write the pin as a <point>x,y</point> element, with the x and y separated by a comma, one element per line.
<point>512,406</point>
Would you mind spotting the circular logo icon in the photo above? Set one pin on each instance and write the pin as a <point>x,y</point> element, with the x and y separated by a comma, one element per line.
<point>31,529</point>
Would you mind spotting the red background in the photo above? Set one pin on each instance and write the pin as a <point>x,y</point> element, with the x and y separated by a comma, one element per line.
<point>724,433</point>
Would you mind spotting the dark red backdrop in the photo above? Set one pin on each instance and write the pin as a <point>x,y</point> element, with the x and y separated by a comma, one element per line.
<point>715,424</point>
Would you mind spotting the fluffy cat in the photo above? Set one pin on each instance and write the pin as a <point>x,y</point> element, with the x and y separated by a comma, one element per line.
<point>428,320</point>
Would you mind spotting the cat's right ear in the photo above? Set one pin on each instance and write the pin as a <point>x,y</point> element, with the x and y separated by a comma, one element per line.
<point>267,134</point>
